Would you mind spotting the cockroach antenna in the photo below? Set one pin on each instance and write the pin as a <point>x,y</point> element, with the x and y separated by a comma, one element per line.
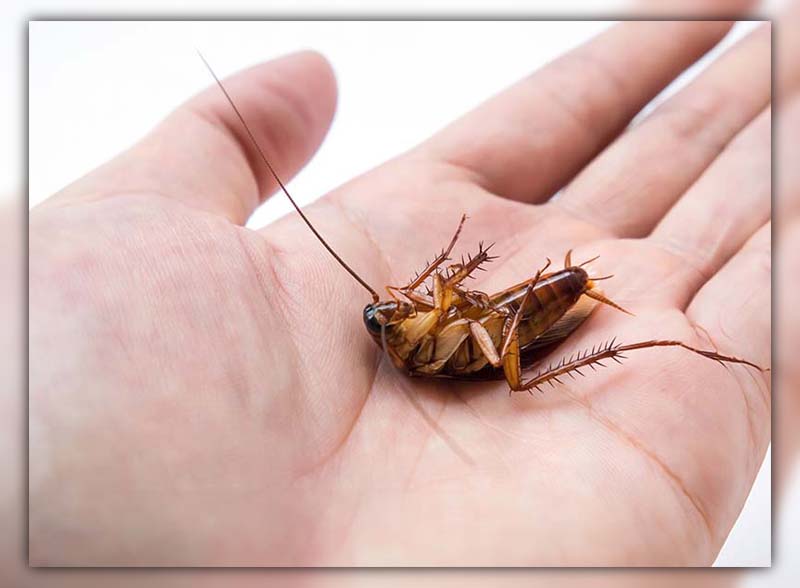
<point>375,297</point>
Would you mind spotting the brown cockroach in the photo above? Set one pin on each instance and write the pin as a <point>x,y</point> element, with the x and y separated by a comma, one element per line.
<point>452,332</point>
<point>449,331</point>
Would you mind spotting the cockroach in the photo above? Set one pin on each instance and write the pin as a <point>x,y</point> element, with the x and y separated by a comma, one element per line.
<point>450,331</point>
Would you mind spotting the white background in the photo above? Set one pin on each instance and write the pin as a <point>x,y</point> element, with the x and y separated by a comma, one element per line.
<point>96,87</point>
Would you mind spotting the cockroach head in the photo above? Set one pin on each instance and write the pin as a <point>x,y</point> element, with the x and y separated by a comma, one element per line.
<point>380,316</point>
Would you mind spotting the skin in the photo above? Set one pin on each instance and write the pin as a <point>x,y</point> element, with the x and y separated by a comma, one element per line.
<point>203,393</point>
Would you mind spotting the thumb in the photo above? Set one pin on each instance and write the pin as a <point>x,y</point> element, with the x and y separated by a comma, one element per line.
<point>201,155</point>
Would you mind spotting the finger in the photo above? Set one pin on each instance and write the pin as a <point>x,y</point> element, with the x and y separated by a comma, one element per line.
<point>734,306</point>
<point>631,185</point>
<point>720,211</point>
<point>201,156</point>
<point>528,141</point>
<point>787,47</point>
<point>787,338</point>
<point>788,141</point>
<point>787,282</point>
<point>733,311</point>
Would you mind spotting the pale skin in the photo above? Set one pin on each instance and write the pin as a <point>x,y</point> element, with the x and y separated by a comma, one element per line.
<point>203,393</point>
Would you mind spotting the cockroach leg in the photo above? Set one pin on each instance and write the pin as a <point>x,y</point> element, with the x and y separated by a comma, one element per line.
<point>467,267</point>
<point>544,269</point>
<point>437,261</point>
<point>511,363</point>
<point>508,356</point>
<point>423,301</point>
<point>614,351</point>
<point>476,299</point>
<point>442,295</point>
<point>512,323</point>
<point>484,340</point>
<point>391,291</point>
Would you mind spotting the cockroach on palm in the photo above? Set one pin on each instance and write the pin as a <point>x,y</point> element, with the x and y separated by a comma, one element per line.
<point>449,331</point>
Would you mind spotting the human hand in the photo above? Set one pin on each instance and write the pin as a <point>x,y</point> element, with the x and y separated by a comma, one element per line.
<point>203,393</point>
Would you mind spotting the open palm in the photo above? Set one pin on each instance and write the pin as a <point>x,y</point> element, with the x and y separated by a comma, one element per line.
<point>202,393</point>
